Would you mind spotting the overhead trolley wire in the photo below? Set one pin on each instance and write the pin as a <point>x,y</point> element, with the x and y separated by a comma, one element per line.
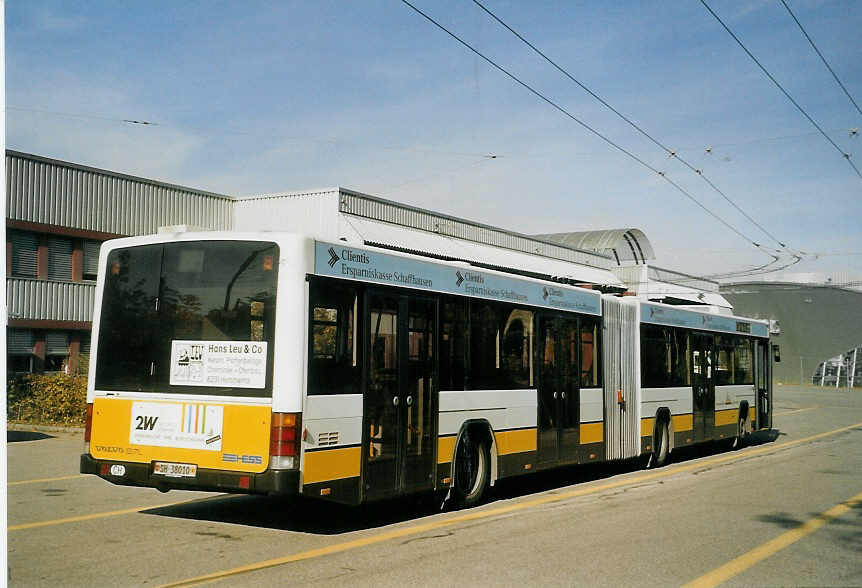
<point>844,154</point>
<point>823,59</point>
<point>591,130</point>
<point>634,125</point>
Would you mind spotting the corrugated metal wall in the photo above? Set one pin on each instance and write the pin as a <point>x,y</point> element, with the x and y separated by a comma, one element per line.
<point>399,214</point>
<point>313,213</point>
<point>665,275</point>
<point>41,190</point>
<point>621,372</point>
<point>48,300</point>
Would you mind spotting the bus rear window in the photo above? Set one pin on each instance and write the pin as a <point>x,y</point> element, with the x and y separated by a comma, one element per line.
<point>193,317</point>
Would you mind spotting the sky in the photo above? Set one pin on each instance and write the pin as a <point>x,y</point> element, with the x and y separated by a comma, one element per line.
<point>262,97</point>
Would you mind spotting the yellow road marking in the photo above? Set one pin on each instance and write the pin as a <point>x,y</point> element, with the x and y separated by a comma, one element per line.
<point>493,512</point>
<point>794,411</point>
<point>745,561</point>
<point>90,517</point>
<point>40,480</point>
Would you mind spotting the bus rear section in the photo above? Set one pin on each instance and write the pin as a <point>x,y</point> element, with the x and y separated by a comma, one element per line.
<point>181,389</point>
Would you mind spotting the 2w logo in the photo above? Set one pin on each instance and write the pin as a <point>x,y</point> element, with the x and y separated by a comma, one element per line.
<point>146,423</point>
<point>460,279</point>
<point>333,257</point>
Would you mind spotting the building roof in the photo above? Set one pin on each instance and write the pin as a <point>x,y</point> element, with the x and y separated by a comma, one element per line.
<point>409,240</point>
<point>624,244</point>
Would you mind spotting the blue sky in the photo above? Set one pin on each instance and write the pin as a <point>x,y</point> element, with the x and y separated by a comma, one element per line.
<point>253,97</point>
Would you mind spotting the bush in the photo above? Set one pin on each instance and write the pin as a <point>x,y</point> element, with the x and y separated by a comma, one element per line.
<point>48,399</point>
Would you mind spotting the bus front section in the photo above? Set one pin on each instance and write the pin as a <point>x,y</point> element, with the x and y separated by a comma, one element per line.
<point>180,393</point>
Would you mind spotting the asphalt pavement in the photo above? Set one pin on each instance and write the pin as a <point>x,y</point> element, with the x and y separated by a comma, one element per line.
<point>786,510</point>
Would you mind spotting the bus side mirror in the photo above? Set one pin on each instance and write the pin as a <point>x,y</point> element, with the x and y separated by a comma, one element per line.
<point>776,354</point>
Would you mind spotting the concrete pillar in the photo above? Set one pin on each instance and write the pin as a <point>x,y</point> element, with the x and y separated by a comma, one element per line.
<point>38,351</point>
<point>42,261</point>
<point>74,351</point>
<point>77,260</point>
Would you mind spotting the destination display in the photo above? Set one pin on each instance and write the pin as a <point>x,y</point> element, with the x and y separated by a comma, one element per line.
<point>340,261</point>
<point>677,317</point>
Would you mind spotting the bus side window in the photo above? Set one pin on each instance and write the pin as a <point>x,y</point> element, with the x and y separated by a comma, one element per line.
<point>453,343</point>
<point>333,357</point>
<point>591,375</point>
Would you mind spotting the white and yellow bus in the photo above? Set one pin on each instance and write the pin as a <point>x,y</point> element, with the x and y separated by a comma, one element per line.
<point>276,363</point>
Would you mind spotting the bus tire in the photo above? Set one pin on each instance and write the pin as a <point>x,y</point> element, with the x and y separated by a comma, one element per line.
<point>472,470</point>
<point>741,433</point>
<point>661,446</point>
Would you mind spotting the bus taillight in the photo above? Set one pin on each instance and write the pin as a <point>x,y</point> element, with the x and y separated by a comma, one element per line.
<point>88,426</point>
<point>284,440</point>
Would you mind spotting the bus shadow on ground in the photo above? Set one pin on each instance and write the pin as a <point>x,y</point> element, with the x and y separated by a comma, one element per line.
<point>306,515</point>
<point>300,514</point>
<point>16,436</point>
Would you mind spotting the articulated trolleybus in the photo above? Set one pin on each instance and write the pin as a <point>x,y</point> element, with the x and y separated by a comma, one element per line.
<point>276,363</point>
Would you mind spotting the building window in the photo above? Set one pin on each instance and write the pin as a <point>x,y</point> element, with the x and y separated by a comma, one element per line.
<point>25,253</point>
<point>59,258</point>
<point>56,351</point>
<point>91,259</point>
<point>19,348</point>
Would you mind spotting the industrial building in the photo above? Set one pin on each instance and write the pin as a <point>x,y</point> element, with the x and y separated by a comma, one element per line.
<point>58,213</point>
<point>815,318</point>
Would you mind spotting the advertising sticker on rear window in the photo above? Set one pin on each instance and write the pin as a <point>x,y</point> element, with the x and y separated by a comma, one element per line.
<point>233,364</point>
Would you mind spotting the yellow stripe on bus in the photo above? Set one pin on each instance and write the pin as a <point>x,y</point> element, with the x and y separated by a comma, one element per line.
<point>331,464</point>
<point>682,422</point>
<point>592,433</point>
<point>647,426</point>
<point>445,449</point>
<point>726,417</point>
<point>516,441</point>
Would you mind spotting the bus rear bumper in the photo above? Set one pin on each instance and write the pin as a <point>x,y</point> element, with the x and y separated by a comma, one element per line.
<point>271,482</point>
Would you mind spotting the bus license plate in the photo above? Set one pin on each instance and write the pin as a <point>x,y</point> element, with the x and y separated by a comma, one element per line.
<point>175,470</point>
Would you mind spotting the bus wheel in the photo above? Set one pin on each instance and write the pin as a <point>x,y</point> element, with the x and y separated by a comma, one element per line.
<point>741,435</point>
<point>472,471</point>
<point>661,447</point>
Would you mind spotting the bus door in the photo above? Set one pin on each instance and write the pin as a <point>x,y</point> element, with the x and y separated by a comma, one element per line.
<point>400,400</point>
<point>703,385</point>
<point>558,390</point>
<point>764,384</point>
